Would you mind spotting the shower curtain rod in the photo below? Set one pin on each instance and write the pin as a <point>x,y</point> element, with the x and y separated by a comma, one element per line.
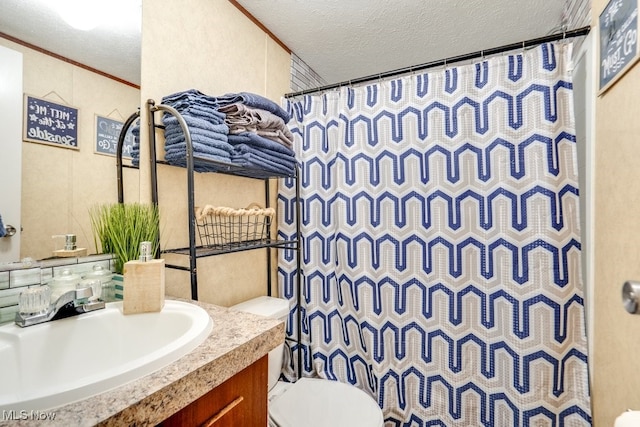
<point>578,32</point>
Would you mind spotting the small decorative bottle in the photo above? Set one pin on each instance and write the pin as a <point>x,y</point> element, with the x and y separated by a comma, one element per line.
<point>143,283</point>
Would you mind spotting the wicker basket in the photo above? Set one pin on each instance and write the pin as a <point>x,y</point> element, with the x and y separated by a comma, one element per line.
<point>223,226</point>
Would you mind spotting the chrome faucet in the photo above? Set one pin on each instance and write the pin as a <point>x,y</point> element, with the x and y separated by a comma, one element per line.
<point>34,308</point>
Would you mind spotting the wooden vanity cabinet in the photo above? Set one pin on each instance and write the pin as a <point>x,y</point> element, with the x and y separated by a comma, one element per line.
<point>241,401</point>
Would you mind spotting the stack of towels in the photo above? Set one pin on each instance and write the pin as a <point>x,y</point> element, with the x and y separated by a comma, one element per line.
<point>243,129</point>
<point>209,133</point>
<point>258,133</point>
<point>135,147</point>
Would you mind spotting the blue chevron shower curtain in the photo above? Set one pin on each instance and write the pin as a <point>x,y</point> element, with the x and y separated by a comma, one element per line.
<point>441,251</point>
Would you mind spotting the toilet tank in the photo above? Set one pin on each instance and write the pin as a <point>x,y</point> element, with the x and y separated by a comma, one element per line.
<point>276,308</point>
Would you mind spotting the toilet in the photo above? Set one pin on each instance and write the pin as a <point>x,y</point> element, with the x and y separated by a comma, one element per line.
<point>310,402</point>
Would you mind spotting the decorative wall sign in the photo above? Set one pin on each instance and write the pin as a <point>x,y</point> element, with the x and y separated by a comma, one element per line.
<point>618,40</point>
<point>50,123</point>
<point>107,134</point>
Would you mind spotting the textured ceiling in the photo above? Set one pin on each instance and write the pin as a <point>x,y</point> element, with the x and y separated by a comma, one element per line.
<point>346,39</point>
<point>339,39</point>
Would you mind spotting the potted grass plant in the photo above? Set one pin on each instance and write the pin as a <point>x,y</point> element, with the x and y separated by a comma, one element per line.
<point>119,228</point>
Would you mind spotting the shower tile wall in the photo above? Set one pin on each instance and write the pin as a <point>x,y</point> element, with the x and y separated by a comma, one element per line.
<point>302,76</point>
<point>15,277</point>
<point>577,13</point>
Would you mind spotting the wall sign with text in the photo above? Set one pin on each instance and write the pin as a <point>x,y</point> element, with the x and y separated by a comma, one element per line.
<point>107,135</point>
<point>618,40</point>
<point>50,123</point>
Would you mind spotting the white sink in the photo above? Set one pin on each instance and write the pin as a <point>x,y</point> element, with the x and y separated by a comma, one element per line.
<point>59,362</point>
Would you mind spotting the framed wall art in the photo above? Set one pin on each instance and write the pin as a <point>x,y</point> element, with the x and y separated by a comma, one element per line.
<point>618,24</point>
<point>107,135</point>
<point>47,122</point>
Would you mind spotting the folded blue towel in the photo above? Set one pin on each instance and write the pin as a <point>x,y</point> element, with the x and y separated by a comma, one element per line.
<point>200,140</point>
<point>256,140</point>
<point>3,231</point>
<point>279,158</point>
<point>180,155</point>
<point>212,116</point>
<point>188,97</point>
<point>199,111</point>
<point>169,120</point>
<point>254,100</point>
<point>181,149</point>
<point>174,131</point>
<point>183,94</point>
<point>135,147</point>
<point>201,162</point>
<point>250,160</point>
<point>219,141</point>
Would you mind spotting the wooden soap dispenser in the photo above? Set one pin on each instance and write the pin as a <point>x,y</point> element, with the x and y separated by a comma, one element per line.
<point>70,248</point>
<point>143,287</point>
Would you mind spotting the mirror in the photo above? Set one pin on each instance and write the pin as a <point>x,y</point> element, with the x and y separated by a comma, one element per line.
<point>96,71</point>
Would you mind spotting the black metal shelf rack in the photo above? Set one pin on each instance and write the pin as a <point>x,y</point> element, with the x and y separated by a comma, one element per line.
<point>194,251</point>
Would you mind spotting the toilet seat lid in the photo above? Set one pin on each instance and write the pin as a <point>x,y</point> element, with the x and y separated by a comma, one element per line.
<point>313,402</point>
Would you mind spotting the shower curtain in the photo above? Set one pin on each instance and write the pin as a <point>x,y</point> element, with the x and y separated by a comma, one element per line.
<point>440,244</point>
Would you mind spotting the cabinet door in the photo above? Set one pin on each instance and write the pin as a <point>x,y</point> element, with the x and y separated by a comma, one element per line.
<point>239,401</point>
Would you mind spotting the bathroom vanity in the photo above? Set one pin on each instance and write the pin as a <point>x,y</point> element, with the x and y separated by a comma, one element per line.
<point>222,382</point>
<point>239,401</point>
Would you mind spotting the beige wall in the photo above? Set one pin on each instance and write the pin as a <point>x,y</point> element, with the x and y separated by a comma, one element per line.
<point>208,45</point>
<point>59,185</point>
<point>616,341</point>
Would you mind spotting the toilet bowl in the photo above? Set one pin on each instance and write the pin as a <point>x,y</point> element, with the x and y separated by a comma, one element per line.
<point>310,402</point>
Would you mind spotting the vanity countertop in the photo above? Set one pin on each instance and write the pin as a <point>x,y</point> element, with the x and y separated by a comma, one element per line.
<point>237,340</point>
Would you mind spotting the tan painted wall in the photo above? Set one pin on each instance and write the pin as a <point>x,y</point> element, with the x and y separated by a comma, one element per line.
<point>59,185</point>
<point>210,46</point>
<point>616,341</point>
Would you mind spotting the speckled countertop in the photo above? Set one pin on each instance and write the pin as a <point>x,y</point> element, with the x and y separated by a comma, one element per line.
<point>236,341</point>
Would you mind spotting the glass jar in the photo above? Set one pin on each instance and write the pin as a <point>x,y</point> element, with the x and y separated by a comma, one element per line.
<point>64,282</point>
<point>105,277</point>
